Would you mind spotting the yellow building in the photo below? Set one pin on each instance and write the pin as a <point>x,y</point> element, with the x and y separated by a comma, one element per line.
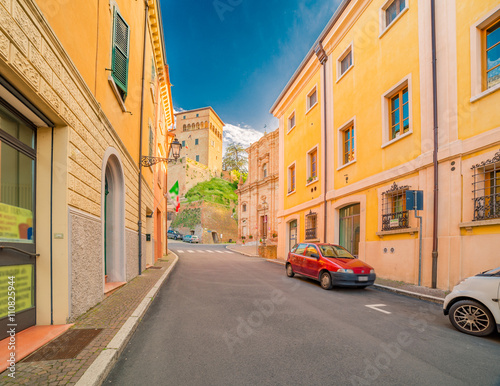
<point>80,81</point>
<point>365,119</point>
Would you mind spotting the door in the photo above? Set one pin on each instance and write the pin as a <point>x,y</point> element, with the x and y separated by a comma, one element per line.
<point>297,258</point>
<point>349,228</point>
<point>292,240</point>
<point>17,222</point>
<point>311,264</point>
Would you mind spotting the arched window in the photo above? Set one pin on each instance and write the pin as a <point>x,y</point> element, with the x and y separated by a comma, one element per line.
<point>198,125</point>
<point>264,170</point>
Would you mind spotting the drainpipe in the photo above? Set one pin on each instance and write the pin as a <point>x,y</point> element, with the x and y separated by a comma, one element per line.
<point>435,152</point>
<point>323,57</point>
<point>139,223</point>
<point>51,227</point>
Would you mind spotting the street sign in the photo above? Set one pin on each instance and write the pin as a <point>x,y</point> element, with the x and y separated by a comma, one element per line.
<point>410,200</point>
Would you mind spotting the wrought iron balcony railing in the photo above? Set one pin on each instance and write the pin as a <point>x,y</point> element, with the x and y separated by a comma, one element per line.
<point>396,220</point>
<point>487,207</point>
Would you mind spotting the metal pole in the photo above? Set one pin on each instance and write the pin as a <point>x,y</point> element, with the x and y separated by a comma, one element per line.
<point>419,239</point>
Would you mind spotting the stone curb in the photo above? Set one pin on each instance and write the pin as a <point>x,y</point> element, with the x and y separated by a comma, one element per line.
<point>412,294</point>
<point>430,298</point>
<point>103,364</point>
<point>241,253</point>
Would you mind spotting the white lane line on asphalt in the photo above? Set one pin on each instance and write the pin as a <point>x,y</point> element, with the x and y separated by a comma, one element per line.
<point>375,307</point>
<point>219,251</point>
<point>190,251</point>
<point>209,251</point>
<point>179,251</point>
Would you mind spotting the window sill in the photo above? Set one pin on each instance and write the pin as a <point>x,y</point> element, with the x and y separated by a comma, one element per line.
<point>471,224</point>
<point>312,240</point>
<point>346,165</point>
<point>290,193</point>
<point>345,73</point>
<point>117,93</point>
<point>312,182</point>
<point>485,93</point>
<point>394,21</point>
<point>291,129</point>
<point>397,139</point>
<point>411,231</point>
<point>312,107</point>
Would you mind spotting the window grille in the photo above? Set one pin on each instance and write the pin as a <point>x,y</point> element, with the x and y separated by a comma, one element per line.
<point>394,213</point>
<point>311,225</point>
<point>487,189</point>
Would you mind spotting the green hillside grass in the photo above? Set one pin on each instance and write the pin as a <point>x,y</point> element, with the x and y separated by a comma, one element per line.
<point>216,190</point>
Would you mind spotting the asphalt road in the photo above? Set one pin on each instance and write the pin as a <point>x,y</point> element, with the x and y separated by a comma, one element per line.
<point>226,319</point>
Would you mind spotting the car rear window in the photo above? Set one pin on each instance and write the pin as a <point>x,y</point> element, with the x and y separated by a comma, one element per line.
<point>335,251</point>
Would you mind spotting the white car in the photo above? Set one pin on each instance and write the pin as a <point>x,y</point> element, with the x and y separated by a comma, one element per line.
<point>474,306</point>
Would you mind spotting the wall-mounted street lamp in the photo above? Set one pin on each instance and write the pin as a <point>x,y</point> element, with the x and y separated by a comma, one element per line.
<point>175,150</point>
<point>146,161</point>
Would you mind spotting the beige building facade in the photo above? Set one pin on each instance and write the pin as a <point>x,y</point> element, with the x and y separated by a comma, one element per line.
<point>70,155</point>
<point>258,197</point>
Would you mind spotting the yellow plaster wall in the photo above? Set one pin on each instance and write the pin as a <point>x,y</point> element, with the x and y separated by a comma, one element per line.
<point>301,139</point>
<point>471,117</point>
<point>379,64</point>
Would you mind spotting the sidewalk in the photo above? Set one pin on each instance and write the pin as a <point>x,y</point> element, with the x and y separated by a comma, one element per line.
<point>425,293</point>
<point>117,315</point>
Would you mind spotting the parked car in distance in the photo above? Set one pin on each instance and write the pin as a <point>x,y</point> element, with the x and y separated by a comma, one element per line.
<point>171,234</point>
<point>194,239</point>
<point>187,238</point>
<point>332,265</point>
<point>474,304</point>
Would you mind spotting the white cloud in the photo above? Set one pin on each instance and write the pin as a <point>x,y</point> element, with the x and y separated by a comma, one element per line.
<point>243,135</point>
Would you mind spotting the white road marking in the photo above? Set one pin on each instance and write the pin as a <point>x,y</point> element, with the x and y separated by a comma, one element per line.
<point>219,251</point>
<point>375,307</point>
<point>190,251</point>
<point>209,251</point>
<point>180,251</point>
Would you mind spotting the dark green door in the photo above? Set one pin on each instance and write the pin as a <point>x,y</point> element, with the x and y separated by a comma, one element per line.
<point>349,228</point>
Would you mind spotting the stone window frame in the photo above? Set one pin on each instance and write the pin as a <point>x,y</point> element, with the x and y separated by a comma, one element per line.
<point>310,106</point>
<point>384,27</point>
<point>345,53</point>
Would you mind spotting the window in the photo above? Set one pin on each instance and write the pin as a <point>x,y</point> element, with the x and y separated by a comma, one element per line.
<point>311,226</point>
<point>244,207</point>
<point>300,249</point>
<point>487,189</point>
<point>311,250</point>
<point>197,115</point>
<point>197,158</point>
<point>344,62</point>
<point>291,121</point>
<point>394,213</point>
<point>184,117</point>
<point>492,66</point>
<point>196,141</point>
<point>399,114</point>
<point>312,165</point>
<point>120,53</point>
<point>312,99</point>
<point>183,144</point>
<point>264,170</point>
<point>348,141</point>
<point>151,141</point>
<point>212,143</point>
<point>393,10</point>
<point>291,178</point>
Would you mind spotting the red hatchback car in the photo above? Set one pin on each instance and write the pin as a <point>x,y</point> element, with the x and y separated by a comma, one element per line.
<point>331,265</point>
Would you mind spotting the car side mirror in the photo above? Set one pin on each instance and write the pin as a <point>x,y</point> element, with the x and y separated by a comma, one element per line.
<point>315,255</point>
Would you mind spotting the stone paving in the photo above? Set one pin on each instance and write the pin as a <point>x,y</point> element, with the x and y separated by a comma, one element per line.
<point>109,315</point>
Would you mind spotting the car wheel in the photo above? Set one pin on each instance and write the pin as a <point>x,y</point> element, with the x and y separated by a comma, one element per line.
<point>289,270</point>
<point>326,281</point>
<point>472,318</point>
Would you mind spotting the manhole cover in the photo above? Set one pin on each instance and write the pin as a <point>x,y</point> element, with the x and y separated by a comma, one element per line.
<point>67,346</point>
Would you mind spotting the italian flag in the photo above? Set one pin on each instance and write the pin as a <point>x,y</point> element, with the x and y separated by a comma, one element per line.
<point>174,195</point>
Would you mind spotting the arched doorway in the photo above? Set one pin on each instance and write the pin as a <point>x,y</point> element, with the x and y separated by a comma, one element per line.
<point>113,214</point>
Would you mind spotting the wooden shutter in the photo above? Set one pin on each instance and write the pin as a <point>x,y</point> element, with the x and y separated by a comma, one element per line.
<point>120,55</point>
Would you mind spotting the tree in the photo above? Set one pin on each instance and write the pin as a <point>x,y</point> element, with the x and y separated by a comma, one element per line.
<point>235,158</point>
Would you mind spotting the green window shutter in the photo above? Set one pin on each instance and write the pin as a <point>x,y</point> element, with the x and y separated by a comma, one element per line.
<point>120,56</point>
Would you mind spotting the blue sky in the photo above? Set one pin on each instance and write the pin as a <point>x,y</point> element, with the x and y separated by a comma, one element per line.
<point>237,55</point>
